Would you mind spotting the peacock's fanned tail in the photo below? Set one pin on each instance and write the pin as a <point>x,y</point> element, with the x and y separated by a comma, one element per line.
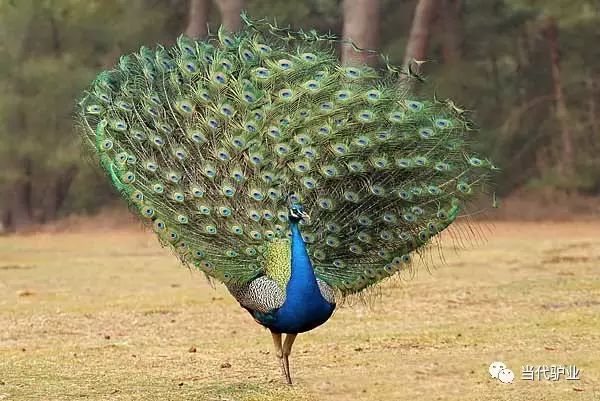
<point>211,140</point>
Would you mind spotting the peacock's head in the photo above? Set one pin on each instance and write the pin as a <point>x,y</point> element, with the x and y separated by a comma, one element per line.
<point>296,213</point>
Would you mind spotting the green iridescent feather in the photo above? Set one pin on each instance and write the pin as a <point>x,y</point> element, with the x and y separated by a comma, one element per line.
<point>210,141</point>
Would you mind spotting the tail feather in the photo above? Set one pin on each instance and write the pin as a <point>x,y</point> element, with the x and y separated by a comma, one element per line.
<point>211,141</point>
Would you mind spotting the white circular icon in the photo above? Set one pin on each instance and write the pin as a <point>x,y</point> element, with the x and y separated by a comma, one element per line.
<point>495,368</point>
<point>506,376</point>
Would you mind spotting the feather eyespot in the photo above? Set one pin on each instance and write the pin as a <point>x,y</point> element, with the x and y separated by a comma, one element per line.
<point>137,196</point>
<point>340,148</point>
<point>238,142</point>
<point>191,67</point>
<point>413,105</point>
<point>226,110</point>
<point>409,217</point>
<point>373,95</point>
<point>219,78</point>
<point>249,97</point>
<point>180,154</point>
<point>426,133</point>
<point>351,196</point>
<point>128,177</point>
<point>310,57</point>
<point>197,137</point>
<point>442,123</point>
<point>332,241</point>
<point>326,106</point>
<point>224,211</point>
<point>464,187</point>
<point>95,109</point>
<point>352,72</point>
<point>159,225</point>
<point>247,55</point>
<point>261,73</point>
<point>257,195</point>
<point>324,130</point>
<point>355,249</point>
<point>228,191</point>
<point>364,221</point>
<point>285,64</point>
<point>147,211</point>
<point>139,135</point>
<point>197,192</point>
<point>223,155</point>
<point>405,195</point>
<point>312,85</point>
<point>264,48</point>
<point>395,116</point>
<point>213,123</point>
<point>158,141</point>
<point>286,94</point>
<point>158,188</point>
<point>118,125</point>
<point>106,144</point>
<point>178,197</point>
<point>385,235</point>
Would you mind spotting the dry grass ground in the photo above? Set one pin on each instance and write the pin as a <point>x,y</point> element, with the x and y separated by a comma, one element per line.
<point>110,316</point>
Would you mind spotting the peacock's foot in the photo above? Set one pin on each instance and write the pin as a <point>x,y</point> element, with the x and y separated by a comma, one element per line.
<point>283,352</point>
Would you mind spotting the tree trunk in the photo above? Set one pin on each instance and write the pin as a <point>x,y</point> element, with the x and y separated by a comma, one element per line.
<point>361,26</point>
<point>418,39</point>
<point>452,35</point>
<point>496,80</point>
<point>522,57</point>
<point>18,213</point>
<point>230,14</point>
<point>198,19</point>
<point>562,112</point>
<point>593,113</point>
<point>57,193</point>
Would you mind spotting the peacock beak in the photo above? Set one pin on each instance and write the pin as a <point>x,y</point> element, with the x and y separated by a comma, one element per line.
<point>305,216</point>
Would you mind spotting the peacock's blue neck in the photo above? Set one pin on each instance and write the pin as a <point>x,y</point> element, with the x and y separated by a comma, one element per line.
<point>304,307</point>
<point>302,280</point>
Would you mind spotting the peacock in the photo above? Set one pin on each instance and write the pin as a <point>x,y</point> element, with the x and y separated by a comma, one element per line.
<point>266,163</point>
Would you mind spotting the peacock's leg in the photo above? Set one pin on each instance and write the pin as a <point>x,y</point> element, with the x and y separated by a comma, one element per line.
<point>287,350</point>
<point>278,350</point>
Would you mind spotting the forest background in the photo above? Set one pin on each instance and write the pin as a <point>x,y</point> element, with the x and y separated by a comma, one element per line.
<point>528,69</point>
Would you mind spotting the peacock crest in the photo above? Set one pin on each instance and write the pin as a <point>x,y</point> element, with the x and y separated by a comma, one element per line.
<point>211,141</point>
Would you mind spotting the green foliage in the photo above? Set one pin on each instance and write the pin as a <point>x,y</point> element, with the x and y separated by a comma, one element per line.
<point>49,50</point>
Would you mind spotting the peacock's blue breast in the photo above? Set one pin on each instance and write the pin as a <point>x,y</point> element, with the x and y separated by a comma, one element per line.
<point>297,317</point>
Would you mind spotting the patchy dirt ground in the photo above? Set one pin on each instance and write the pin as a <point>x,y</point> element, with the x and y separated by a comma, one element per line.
<point>111,316</point>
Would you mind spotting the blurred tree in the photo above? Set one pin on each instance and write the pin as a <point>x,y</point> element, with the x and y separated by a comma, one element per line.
<point>416,48</point>
<point>44,64</point>
<point>550,30</point>
<point>197,26</point>
<point>493,56</point>
<point>361,26</point>
<point>451,24</point>
<point>230,13</point>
